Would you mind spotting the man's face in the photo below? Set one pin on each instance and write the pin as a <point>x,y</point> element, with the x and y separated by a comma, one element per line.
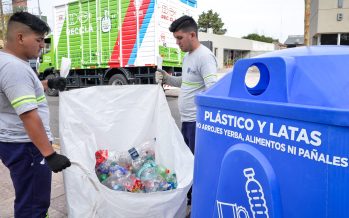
<point>32,44</point>
<point>184,40</point>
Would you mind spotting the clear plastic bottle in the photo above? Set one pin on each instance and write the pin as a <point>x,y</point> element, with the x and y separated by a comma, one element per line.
<point>137,164</point>
<point>132,184</point>
<point>146,150</point>
<point>147,171</point>
<point>123,159</point>
<point>114,183</point>
<point>140,154</point>
<point>117,171</point>
<point>149,176</point>
<point>103,168</point>
<point>150,185</point>
<point>163,184</point>
<point>124,181</point>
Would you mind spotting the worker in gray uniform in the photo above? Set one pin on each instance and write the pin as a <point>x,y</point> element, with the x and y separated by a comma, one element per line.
<point>25,136</point>
<point>199,72</point>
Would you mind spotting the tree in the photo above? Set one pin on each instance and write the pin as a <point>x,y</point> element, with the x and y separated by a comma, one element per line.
<point>261,38</point>
<point>211,20</point>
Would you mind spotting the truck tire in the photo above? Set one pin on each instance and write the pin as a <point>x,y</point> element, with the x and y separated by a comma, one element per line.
<point>51,92</point>
<point>117,79</point>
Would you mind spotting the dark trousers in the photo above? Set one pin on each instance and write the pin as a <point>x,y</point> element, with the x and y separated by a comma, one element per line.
<point>188,132</point>
<point>31,178</point>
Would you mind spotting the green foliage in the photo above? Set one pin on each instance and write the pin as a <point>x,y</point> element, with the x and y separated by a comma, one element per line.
<point>261,38</point>
<point>212,20</point>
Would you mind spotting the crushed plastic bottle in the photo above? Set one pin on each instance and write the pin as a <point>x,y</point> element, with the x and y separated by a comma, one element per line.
<point>132,184</point>
<point>146,150</point>
<point>103,168</point>
<point>150,177</point>
<point>123,159</point>
<point>134,170</point>
<point>114,183</point>
<point>147,171</point>
<point>117,171</point>
<point>172,180</point>
<point>152,185</point>
<point>101,156</point>
<point>163,184</point>
<point>142,153</point>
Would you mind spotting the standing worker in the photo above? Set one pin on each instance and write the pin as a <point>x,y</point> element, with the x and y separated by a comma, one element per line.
<point>199,72</point>
<point>25,136</point>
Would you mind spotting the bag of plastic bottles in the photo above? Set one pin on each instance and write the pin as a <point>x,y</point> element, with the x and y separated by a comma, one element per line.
<point>117,118</point>
<point>148,176</point>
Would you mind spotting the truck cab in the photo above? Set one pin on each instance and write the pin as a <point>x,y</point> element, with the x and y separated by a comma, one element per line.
<point>46,60</point>
<point>46,64</point>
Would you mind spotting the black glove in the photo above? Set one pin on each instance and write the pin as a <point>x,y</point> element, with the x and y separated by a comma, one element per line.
<point>58,83</point>
<point>57,162</point>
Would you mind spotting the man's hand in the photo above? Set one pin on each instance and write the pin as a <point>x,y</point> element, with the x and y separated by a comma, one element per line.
<point>57,162</point>
<point>58,83</point>
<point>160,76</point>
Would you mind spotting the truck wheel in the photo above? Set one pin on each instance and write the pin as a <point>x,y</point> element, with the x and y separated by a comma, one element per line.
<point>117,79</point>
<point>51,92</point>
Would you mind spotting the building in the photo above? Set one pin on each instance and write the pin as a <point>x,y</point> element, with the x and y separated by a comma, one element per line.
<point>19,5</point>
<point>294,41</point>
<point>229,49</point>
<point>329,22</point>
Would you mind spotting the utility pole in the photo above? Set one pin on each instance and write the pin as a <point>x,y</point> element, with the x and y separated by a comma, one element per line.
<point>306,22</point>
<point>2,21</point>
<point>38,9</point>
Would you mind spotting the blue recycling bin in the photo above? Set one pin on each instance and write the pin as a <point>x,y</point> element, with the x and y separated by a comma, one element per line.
<point>280,148</point>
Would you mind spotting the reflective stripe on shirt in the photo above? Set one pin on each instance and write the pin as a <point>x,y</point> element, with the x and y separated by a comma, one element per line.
<point>41,99</point>
<point>192,84</point>
<point>209,76</point>
<point>22,100</point>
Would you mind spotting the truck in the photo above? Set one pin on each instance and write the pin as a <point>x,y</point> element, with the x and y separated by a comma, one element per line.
<point>115,42</point>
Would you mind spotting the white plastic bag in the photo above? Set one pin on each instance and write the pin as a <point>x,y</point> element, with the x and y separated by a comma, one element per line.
<point>65,67</point>
<point>116,118</point>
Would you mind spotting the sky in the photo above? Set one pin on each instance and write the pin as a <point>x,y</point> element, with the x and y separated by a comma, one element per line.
<point>273,18</point>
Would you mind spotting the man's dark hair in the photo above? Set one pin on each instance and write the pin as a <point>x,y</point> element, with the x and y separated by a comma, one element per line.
<point>185,24</point>
<point>30,20</point>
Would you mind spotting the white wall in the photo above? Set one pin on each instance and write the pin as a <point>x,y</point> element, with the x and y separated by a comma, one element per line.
<point>222,42</point>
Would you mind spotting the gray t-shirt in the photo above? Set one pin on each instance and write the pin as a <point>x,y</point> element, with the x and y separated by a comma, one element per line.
<point>20,91</point>
<point>199,72</point>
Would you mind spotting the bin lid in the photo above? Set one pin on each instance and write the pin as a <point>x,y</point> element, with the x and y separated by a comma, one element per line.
<point>304,83</point>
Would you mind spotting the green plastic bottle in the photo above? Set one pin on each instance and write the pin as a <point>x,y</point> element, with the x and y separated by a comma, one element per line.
<point>162,171</point>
